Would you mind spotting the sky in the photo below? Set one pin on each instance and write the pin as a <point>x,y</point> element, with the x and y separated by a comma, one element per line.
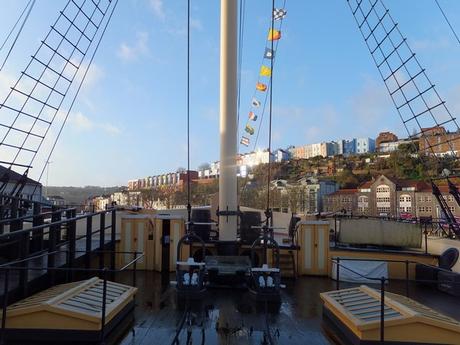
<point>129,120</point>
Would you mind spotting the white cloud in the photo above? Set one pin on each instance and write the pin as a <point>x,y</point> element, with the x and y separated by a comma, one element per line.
<point>157,8</point>
<point>80,121</point>
<point>132,52</point>
<point>83,123</point>
<point>109,128</point>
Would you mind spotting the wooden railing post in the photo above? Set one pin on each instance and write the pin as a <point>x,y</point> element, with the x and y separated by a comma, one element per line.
<point>53,238</point>
<point>56,217</point>
<point>89,240</point>
<point>101,240</point>
<point>37,236</point>
<point>23,251</point>
<point>71,238</point>
<point>113,230</point>
<point>337,263</point>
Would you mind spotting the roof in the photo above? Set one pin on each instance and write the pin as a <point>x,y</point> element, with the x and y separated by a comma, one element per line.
<point>417,184</point>
<point>346,191</point>
<point>13,176</point>
<point>366,184</point>
<point>444,188</point>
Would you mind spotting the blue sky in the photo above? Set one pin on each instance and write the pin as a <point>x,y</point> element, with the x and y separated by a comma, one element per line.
<point>129,120</point>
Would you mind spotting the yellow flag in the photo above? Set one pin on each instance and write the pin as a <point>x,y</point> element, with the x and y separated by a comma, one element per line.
<point>265,71</point>
<point>274,35</point>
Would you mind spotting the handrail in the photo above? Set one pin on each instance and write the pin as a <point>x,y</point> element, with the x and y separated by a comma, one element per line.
<point>9,220</point>
<point>9,235</point>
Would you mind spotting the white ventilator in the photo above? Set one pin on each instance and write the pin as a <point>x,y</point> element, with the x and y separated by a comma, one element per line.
<point>261,281</point>
<point>187,278</point>
<point>270,282</point>
<point>194,280</point>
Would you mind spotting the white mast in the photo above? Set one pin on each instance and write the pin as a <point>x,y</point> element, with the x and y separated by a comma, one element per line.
<point>228,119</point>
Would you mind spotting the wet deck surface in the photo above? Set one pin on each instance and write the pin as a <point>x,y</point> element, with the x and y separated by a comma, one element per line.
<point>229,316</point>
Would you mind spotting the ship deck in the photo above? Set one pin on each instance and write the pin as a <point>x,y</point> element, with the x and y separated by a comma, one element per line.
<point>237,319</point>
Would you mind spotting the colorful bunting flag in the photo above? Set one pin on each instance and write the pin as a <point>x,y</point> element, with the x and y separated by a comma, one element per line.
<point>249,129</point>
<point>274,35</point>
<point>279,13</point>
<point>261,87</point>
<point>265,71</point>
<point>244,141</point>
<point>269,54</point>
<point>255,103</point>
<point>252,116</point>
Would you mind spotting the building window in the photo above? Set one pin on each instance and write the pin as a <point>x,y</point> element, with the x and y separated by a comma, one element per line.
<point>383,199</point>
<point>424,209</point>
<point>383,189</point>
<point>405,198</point>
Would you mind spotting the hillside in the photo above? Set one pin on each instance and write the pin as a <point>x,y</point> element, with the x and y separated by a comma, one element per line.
<point>77,195</point>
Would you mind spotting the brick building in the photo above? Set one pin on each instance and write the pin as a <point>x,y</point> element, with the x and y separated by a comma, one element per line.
<point>343,200</point>
<point>439,141</point>
<point>385,137</point>
<point>385,196</point>
<point>177,179</point>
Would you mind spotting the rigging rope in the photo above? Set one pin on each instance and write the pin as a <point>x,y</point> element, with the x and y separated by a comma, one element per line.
<point>29,5</point>
<point>189,206</point>
<point>264,104</point>
<point>448,21</point>
<point>14,26</point>
<point>78,90</point>
<point>267,212</point>
<point>393,72</point>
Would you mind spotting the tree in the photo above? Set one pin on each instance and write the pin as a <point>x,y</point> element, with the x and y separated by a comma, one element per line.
<point>147,197</point>
<point>295,196</point>
<point>347,179</point>
<point>167,195</point>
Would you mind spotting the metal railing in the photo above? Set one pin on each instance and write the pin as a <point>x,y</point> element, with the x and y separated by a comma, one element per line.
<point>438,227</point>
<point>50,238</point>
<point>383,280</point>
<point>7,268</point>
